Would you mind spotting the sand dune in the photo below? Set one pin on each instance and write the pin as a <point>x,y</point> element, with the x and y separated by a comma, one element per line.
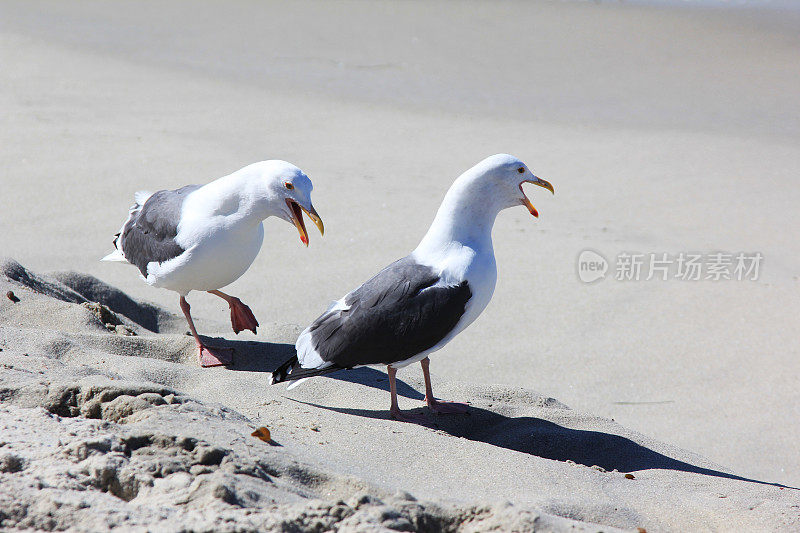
<point>107,420</point>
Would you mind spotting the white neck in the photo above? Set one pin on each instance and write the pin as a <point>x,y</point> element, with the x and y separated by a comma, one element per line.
<point>465,218</point>
<point>236,194</point>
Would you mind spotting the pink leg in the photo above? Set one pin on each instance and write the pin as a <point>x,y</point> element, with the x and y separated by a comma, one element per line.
<point>394,410</point>
<point>242,317</point>
<point>438,406</point>
<point>209,355</point>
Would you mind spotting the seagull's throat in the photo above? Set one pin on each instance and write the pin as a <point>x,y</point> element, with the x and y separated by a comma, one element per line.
<point>466,216</point>
<point>297,220</point>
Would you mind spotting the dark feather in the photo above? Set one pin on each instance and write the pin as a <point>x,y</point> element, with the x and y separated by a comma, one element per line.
<point>291,371</point>
<point>392,317</point>
<point>149,234</point>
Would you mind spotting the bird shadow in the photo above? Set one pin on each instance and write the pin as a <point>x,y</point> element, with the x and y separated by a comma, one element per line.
<point>524,434</point>
<point>542,438</point>
<point>370,377</point>
<point>255,356</point>
<point>259,356</point>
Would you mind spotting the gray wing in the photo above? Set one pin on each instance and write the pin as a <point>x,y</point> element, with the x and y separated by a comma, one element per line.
<point>392,317</point>
<point>149,234</point>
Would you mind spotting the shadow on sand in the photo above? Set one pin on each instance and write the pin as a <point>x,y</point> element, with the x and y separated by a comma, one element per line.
<point>533,436</point>
<point>257,356</point>
<point>254,356</point>
<point>524,434</point>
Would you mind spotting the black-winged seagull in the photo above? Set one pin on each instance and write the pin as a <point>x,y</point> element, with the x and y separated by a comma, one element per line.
<point>202,238</point>
<point>416,305</point>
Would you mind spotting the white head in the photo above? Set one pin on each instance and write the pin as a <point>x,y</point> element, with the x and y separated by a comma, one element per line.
<point>283,190</point>
<point>469,208</point>
<point>497,181</point>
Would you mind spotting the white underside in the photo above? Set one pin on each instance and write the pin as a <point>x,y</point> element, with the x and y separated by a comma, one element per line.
<point>216,261</point>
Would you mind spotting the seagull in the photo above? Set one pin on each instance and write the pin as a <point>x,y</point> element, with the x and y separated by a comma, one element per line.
<point>204,237</point>
<point>419,303</point>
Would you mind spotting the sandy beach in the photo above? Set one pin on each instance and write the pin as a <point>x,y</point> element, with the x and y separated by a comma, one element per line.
<point>664,129</point>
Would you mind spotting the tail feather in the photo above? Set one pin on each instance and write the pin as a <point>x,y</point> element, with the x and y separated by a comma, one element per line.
<point>141,197</point>
<point>116,255</point>
<point>293,384</point>
<point>281,373</point>
<point>292,371</point>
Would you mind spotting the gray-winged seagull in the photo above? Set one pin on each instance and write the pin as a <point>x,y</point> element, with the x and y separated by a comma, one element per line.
<point>419,303</point>
<point>202,238</point>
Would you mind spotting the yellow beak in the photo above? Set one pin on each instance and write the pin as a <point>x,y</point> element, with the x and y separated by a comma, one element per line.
<point>315,219</point>
<point>297,211</point>
<point>541,183</point>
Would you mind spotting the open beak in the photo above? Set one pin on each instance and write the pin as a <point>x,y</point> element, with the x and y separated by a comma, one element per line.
<point>527,203</point>
<point>297,211</point>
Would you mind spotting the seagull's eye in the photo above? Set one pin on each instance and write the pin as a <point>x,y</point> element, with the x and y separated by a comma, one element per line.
<point>288,185</point>
<point>521,170</point>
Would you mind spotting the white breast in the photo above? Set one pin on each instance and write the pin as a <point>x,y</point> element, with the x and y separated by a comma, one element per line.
<point>212,262</point>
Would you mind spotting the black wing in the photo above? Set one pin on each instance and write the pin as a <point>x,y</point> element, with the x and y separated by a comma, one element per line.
<point>149,234</point>
<point>392,317</point>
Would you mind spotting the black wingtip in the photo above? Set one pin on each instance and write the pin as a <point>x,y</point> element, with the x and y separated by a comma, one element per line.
<point>292,371</point>
<point>281,373</point>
